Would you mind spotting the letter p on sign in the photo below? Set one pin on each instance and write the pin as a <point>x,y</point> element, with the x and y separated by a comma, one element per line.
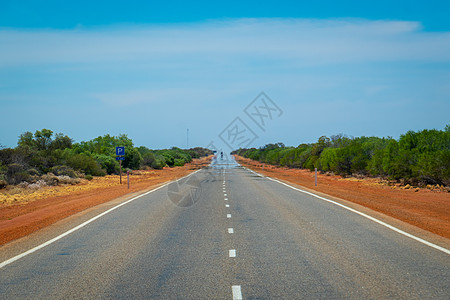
<point>120,150</point>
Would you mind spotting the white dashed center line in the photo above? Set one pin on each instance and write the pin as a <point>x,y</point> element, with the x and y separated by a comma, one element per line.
<point>236,289</point>
<point>237,294</point>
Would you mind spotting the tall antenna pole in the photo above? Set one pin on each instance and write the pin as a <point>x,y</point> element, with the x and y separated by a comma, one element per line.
<point>187,139</point>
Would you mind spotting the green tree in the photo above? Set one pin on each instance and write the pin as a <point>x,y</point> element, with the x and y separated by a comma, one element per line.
<point>133,159</point>
<point>61,141</point>
<point>26,139</point>
<point>43,139</point>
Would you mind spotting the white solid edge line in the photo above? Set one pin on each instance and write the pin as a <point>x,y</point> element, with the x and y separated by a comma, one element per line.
<point>237,294</point>
<point>232,253</point>
<point>418,239</point>
<point>17,257</point>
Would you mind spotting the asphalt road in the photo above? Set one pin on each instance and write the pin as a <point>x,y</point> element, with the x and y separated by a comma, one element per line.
<point>226,233</point>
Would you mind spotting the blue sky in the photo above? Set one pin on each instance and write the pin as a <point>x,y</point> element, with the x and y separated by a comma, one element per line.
<point>153,69</point>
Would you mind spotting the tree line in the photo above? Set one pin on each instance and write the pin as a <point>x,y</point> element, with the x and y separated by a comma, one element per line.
<point>43,152</point>
<point>416,158</point>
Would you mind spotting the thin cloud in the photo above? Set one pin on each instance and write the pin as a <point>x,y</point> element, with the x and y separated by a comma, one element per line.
<point>297,40</point>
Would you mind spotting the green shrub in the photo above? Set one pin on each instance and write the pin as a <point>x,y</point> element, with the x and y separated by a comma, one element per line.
<point>178,162</point>
<point>33,172</point>
<point>16,174</point>
<point>303,157</point>
<point>310,162</point>
<point>198,152</point>
<point>133,159</point>
<point>107,163</point>
<point>159,162</point>
<point>148,158</point>
<point>328,160</point>
<point>87,164</point>
<point>64,170</point>
<point>434,167</point>
<point>169,159</point>
<point>375,165</point>
<point>151,158</point>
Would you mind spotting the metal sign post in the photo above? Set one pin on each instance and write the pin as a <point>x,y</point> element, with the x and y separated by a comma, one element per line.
<point>128,179</point>
<point>120,153</point>
<point>315,177</point>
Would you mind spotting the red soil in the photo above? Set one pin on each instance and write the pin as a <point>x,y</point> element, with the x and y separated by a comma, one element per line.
<point>21,219</point>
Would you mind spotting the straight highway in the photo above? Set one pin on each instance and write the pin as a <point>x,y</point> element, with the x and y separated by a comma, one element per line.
<point>223,233</point>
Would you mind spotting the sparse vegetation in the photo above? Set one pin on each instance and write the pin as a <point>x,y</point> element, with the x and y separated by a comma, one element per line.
<point>46,159</point>
<point>417,158</point>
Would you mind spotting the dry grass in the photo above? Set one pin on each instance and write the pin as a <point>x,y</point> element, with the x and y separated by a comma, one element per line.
<point>51,185</point>
<point>24,193</point>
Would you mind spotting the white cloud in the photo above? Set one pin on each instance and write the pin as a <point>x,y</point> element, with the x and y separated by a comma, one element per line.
<point>297,40</point>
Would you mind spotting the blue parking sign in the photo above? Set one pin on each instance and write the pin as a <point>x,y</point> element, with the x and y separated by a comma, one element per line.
<point>120,150</point>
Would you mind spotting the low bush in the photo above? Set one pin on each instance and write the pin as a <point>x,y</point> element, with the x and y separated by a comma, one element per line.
<point>68,180</point>
<point>17,174</point>
<point>107,163</point>
<point>50,179</point>
<point>158,163</point>
<point>3,184</point>
<point>34,186</point>
<point>53,180</point>
<point>64,170</point>
<point>33,172</point>
<point>86,163</point>
<point>178,162</point>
